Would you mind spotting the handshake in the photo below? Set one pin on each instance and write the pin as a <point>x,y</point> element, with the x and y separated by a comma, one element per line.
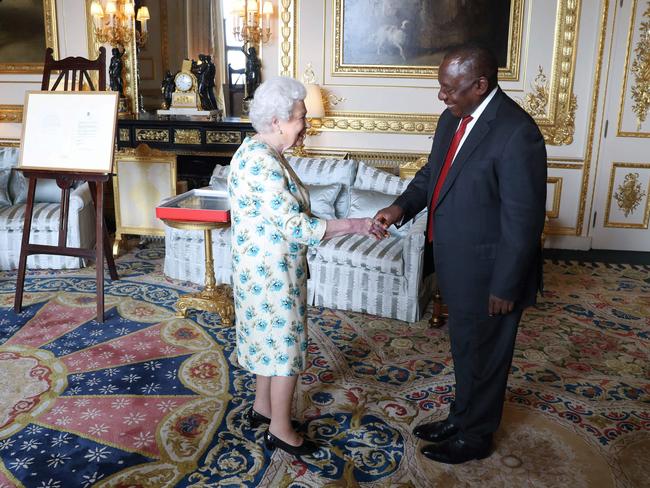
<point>379,224</point>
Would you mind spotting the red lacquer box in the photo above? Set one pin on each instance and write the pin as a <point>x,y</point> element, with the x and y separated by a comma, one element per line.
<point>198,205</point>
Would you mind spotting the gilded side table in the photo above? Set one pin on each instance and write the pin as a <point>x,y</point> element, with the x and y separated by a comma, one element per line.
<point>213,298</point>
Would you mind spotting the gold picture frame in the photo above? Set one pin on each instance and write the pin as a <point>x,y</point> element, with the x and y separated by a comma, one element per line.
<point>29,39</point>
<point>143,177</point>
<point>383,42</point>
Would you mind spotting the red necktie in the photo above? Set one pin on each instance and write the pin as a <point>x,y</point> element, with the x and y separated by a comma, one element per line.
<point>449,158</point>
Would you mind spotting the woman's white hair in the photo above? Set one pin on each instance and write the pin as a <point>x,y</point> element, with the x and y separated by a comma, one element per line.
<point>274,98</point>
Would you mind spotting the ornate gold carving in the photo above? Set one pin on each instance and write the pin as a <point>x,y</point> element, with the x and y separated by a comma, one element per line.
<point>151,135</point>
<point>11,113</point>
<point>51,40</point>
<point>287,33</point>
<point>536,102</point>
<point>641,70</point>
<point>537,105</point>
<point>125,135</point>
<point>187,136</point>
<point>145,153</point>
<point>377,122</point>
<point>223,137</point>
<point>509,73</point>
<point>629,194</point>
<point>408,170</point>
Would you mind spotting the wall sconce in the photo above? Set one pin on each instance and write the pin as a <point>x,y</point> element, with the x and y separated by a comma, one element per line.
<point>251,21</point>
<point>113,23</point>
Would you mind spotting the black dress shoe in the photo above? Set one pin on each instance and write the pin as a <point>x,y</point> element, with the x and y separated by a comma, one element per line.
<point>256,419</point>
<point>305,449</point>
<point>436,431</point>
<point>456,451</point>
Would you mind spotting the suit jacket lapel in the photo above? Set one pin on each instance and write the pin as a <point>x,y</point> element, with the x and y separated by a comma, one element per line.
<point>478,132</point>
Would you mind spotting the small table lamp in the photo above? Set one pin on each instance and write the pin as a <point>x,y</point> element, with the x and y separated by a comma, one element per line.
<point>315,108</point>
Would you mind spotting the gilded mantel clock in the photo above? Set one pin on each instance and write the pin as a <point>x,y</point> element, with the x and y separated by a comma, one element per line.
<point>186,94</point>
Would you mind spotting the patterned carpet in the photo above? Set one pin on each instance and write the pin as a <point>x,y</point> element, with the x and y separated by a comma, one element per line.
<point>149,400</point>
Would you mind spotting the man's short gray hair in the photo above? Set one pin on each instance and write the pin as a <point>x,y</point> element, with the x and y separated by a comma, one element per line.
<point>274,98</point>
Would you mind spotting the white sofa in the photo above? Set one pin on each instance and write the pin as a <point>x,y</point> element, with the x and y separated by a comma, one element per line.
<point>349,272</point>
<point>45,219</point>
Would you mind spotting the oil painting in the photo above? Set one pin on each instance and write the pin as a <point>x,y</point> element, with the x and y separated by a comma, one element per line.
<point>408,35</point>
<point>27,27</point>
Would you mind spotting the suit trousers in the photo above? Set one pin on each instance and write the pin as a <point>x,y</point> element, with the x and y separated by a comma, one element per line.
<point>482,348</point>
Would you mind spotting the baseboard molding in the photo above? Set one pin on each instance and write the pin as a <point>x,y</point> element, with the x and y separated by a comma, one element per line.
<point>568,242</point>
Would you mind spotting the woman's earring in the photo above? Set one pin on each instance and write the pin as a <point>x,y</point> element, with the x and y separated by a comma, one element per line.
<point>280,131</point>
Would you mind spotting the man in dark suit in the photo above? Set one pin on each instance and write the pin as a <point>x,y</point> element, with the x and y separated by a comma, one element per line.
<point>485,187</point>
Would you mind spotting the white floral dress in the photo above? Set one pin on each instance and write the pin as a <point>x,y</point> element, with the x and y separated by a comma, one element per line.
<point>271,229</point>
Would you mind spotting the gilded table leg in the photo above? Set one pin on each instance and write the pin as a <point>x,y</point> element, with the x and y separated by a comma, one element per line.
<point>213,298</point>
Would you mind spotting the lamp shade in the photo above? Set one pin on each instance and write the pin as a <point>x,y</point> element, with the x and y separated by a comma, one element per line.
<point>111,8</point>
<point>314,102</point>
<point>143,14</point>
<point>96,9</point>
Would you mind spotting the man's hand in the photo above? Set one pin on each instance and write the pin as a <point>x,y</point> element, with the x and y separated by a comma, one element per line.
<point>499,306</point>
<point>389,215</point>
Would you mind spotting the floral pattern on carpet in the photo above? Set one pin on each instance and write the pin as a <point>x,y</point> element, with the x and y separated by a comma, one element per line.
<point>150,400</point>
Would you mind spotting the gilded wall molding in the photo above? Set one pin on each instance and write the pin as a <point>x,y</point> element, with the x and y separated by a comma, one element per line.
<point>395,123</point>
<point>628,194</point>
<point>584,189</point>
<point>536,103</point>
<point>640,90</point>
<point>288,25</point>
<point>12,114</point>
<point>557,126</point>
<point>556,181</point>
<point>51,40</point>
<point>641,71</point>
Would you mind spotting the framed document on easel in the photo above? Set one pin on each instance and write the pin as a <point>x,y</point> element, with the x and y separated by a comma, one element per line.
<point>69,137</point>
<point>69,131</point>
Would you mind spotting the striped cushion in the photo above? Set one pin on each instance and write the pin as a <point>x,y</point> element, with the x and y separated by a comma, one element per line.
<point>369,178</point>
<point>320,171</point>
<point>5,174</point>
<point>45,217</point>
<point>360,251</point>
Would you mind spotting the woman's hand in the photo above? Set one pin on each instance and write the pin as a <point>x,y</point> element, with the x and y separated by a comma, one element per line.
<point>369,227</point>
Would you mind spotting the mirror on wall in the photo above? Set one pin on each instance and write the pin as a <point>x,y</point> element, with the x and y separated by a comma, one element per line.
<point>174,34</point>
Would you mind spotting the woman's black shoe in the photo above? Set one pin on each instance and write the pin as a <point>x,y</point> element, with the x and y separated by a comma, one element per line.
<point>256,419</point>
<point>305,449</point>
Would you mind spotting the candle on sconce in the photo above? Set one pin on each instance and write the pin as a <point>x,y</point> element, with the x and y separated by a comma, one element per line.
<point>111,10</point>
<point>129,10</point>
<point>97,14</point>
<point>267,11</point>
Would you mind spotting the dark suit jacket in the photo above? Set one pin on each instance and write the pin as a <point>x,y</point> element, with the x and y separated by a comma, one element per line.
<point>491,209</point>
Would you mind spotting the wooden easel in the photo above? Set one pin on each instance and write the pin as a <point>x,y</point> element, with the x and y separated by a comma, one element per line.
<point>102,244</point>
<point>73,71</point>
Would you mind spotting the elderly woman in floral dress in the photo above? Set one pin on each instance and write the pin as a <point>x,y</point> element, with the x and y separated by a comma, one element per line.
<point>272,226</point>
